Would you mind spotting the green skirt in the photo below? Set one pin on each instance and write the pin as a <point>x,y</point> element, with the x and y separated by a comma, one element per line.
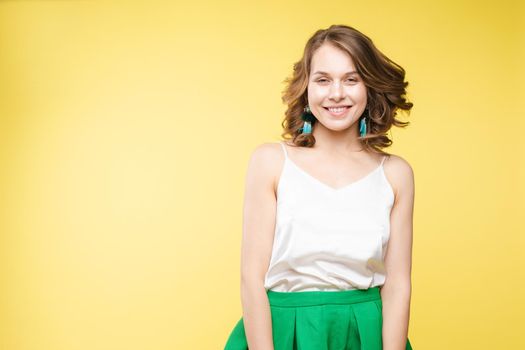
<point>321,320</point>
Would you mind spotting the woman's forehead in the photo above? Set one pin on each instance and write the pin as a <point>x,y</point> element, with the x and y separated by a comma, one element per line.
<point>332,60</point>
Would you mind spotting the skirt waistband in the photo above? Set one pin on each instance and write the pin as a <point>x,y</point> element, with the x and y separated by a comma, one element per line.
<point>312,298</point>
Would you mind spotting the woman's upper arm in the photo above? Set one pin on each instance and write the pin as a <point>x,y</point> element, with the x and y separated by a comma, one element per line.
<point>259,212</point>
<point>398,260</point>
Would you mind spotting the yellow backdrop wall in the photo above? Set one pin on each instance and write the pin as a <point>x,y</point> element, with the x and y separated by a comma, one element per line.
<point>125,133</point>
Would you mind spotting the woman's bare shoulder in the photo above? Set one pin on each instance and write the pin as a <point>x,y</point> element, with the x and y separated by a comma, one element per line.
<point>399,172</point>
<point>266,160</point>
<point>399,163</point>
<point>267,152</point>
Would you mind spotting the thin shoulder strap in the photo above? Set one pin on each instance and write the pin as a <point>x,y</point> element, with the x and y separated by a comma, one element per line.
<point>383,160</point>
<point>284,149</point>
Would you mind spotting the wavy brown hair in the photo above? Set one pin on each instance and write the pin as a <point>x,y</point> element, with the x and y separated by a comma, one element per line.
<point>384,79</point>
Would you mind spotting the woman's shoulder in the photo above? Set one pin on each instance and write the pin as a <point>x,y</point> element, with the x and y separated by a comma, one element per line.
<point>267,151</point>
<point>399,173</point>
<point>269,155</point>
<point>267,159</point>
<point>400,164</point>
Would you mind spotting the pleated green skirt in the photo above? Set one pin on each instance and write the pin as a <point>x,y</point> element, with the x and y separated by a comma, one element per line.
<point>321,320</point>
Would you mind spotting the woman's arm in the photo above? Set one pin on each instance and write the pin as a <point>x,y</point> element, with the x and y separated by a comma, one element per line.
<point>258,229</point>
<point>396,291</point>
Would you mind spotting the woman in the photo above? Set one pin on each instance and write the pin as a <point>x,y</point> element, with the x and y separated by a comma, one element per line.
<point>327,228</point>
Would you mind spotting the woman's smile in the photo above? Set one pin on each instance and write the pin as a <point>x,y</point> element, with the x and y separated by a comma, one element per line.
<point>337,111</point>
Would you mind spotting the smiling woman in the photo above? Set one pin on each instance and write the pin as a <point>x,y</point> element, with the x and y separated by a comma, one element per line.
<point>327,233</point>
<point>345,61</point>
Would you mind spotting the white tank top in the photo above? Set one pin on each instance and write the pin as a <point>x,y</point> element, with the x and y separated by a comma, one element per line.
<point>327,238</point>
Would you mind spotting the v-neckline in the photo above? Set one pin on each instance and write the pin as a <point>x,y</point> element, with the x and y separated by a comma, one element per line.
<point>328,187</point>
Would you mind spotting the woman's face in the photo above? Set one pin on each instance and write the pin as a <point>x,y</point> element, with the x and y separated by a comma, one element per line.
<point>334,82</point>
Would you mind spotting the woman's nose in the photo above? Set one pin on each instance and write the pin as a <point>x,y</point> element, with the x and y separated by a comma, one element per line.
<point>336,91</point>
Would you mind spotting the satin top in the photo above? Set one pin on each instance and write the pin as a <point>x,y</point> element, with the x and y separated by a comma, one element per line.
<point>327,238</point>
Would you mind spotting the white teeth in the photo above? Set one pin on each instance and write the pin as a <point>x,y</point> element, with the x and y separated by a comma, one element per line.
<point>337,110</point>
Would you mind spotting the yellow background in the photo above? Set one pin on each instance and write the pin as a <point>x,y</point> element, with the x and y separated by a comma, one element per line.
<point>125,133</point>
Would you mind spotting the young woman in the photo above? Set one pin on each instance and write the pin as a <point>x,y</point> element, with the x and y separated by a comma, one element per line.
<point>327,228</point>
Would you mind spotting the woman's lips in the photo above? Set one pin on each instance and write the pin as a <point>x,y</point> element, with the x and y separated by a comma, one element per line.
<point>337,112</point>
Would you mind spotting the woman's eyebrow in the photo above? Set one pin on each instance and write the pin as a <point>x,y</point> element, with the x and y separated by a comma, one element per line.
<point>324,73</point>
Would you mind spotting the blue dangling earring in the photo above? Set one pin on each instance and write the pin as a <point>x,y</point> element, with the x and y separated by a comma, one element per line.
<point>308,118</point>
<point>362,124</point>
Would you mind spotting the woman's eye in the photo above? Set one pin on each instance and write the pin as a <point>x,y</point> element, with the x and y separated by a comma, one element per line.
<point>324,80</point>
